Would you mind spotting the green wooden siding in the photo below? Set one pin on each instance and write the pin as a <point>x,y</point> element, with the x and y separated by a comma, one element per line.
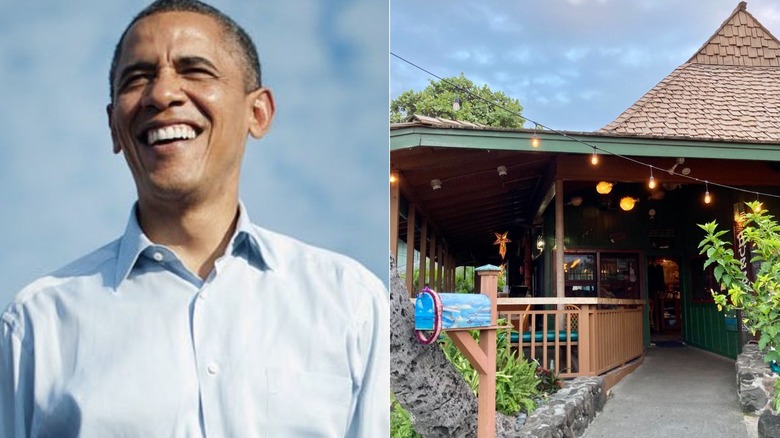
<point>596,227</point>
<point>705,328</point>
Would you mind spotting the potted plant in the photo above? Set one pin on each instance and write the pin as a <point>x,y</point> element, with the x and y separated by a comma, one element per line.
<point>759,299</point>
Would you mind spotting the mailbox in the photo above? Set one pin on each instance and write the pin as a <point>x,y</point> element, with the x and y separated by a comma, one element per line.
<point>436,311</point>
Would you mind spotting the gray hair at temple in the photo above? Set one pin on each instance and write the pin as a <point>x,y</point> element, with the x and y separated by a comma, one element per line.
<point>234,33</point>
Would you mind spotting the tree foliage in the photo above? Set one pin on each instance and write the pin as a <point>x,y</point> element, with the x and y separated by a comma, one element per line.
<point>437,98</point>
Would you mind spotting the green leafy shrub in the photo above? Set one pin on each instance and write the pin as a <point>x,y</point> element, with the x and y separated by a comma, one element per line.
<point>400,421</point>
<point>517,385</point>
<point>759,300</point>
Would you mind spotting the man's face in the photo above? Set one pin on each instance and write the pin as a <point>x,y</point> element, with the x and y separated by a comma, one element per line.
<point>181,113</point>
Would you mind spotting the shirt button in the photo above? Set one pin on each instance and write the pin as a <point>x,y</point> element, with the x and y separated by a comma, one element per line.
<point>158,256</point>
<point>212,369</point>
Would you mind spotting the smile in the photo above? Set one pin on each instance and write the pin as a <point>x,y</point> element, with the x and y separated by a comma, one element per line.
<point>166,134</point>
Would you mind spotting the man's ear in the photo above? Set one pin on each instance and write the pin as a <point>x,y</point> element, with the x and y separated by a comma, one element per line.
<point>262,112</point>
<point>110,114</point>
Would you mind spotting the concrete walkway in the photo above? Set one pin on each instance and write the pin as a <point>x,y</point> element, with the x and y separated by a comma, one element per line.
<point>677,392</point>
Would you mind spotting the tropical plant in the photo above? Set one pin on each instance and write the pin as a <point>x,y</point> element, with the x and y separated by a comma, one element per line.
<point>549,381</point>
<point>517,385</point>
<point>758,299</point>
<point>464,279</point>
<point>400,421</point>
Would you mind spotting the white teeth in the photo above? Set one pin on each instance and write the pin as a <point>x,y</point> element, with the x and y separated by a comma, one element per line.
<point>182,132</point>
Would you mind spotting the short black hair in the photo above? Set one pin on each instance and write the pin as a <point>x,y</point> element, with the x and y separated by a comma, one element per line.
<point>252,75</point>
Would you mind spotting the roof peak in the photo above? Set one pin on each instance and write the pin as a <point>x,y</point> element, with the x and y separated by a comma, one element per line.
<point>740,40</point>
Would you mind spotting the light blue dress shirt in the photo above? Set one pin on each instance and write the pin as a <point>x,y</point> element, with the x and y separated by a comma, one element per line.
<point>281,340</point>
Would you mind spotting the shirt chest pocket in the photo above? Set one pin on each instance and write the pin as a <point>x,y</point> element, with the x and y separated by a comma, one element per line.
<point>308,404</point>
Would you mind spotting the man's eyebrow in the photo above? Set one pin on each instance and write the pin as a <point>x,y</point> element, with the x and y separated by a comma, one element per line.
<point>194,61</point>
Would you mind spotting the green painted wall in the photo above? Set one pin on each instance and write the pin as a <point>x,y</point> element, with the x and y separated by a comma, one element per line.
<point>601,226</point>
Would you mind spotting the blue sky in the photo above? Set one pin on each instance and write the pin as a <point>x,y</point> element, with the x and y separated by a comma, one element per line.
<point>320,174</point>
<point>573,64</point>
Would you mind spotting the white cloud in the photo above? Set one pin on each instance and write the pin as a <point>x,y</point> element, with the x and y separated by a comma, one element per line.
<point>577,53</point>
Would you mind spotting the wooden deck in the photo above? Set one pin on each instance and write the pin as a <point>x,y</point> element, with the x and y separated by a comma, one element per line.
<point>576,336</point>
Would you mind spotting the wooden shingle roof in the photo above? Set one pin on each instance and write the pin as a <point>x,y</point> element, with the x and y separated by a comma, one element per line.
<point>729,90</point>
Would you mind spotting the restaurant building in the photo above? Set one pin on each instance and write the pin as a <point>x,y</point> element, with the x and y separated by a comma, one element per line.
<point>579,231</point>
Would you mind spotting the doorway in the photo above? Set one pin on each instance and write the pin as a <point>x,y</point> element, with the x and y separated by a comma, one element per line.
<point>664,300</point>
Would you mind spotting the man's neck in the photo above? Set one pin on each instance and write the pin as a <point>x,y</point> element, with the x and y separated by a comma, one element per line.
<point>198,233</point>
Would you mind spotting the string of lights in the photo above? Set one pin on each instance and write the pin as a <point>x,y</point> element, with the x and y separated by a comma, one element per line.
<point>535,141</point>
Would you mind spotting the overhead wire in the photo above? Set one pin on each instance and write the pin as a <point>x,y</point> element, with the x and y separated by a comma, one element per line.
<point>548,129</point>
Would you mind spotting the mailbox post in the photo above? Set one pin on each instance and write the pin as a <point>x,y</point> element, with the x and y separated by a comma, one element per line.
<point>482,356</point>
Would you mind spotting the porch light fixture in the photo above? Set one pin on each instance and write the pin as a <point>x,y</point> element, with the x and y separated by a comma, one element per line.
<point>651,183</point>
<point>535,141</point>
<point>627,203</point>
<point>707,197</point>
<point>501,171</point>
<point>393,178</point>
<point>456,104</point>
<point>604,187</point>
<point>594,159</point>
<point>436,184</point>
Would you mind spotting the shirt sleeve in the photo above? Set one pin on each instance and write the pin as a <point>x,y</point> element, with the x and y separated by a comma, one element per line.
<point>15,382</point>
<point>371,416</point>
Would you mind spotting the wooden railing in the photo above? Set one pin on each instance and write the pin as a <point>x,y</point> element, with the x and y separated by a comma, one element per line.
<point>575,336</point>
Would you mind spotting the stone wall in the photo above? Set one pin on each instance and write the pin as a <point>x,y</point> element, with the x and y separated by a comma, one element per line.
<point>569,411</point>
<point>755,381</point>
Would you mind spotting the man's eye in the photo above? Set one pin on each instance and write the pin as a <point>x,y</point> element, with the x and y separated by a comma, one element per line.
<point>133,81</point>
<point>198,73</point>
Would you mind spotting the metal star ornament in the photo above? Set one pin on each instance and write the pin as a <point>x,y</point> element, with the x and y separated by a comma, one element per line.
<point>501,241</point>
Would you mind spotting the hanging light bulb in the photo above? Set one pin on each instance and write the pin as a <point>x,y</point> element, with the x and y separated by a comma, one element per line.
<point>594,160</point>
<point>535,141</point>
<point>707,197</point>
<point>651,183</point>
<point>456,103</point>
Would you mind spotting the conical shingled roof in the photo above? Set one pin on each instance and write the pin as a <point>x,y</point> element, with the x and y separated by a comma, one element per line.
<point>729,90</point>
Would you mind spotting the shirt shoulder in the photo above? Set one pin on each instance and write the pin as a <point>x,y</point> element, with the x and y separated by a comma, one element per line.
<point>96,267</point>
<point>336,271</point>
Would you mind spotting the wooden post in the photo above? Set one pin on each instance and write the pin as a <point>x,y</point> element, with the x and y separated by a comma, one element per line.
<point>587,354</point>
<point>432,265</point>
<point>440,271</point>
<point>483,356</point>
<point>527,268</point>
<point>410,230</point>
<point>395,199</point>
<point>421,281</point>
<point>560,286</point>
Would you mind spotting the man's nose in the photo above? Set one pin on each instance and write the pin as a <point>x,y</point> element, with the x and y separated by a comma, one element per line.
<point>164,90</point>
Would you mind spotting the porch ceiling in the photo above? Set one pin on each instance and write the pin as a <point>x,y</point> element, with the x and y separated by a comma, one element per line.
<point>474,201</point>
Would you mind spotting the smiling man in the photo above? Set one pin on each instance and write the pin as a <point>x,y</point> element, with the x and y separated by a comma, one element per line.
<point>195,322</point>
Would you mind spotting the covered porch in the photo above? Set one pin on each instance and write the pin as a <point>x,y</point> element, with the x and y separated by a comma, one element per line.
<point>455,186</point>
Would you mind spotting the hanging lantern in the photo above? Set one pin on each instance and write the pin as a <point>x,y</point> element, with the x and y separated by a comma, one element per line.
<point>604,187</point>
<point>627,203</point>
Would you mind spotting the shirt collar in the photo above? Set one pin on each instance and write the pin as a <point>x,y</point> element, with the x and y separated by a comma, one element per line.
<point>246,241</point>
<point>248,236</point>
